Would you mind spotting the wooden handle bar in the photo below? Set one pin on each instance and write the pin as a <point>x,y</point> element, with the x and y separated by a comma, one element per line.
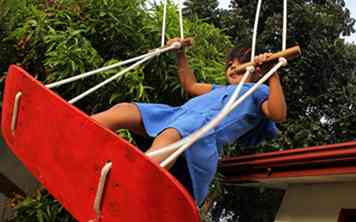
<point>289,53</point>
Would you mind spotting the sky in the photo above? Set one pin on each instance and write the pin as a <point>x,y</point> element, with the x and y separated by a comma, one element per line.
<point>351,5</point>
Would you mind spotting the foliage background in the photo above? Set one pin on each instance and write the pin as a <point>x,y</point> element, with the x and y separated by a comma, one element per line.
<point>56,39</point>
<point>53,40</point>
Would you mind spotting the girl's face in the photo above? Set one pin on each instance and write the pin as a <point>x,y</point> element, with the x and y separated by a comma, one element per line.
<point>233,77</point>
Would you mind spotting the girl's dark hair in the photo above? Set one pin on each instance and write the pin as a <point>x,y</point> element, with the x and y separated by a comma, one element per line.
<point>242,54</point>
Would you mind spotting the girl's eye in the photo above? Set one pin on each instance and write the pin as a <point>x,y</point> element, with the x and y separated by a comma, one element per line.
<point>228,66</point>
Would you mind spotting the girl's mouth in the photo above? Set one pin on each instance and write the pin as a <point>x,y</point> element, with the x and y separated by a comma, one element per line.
<point>235,75</point>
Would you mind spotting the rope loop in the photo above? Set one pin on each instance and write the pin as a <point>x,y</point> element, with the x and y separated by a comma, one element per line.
<point>177,45</point>
<point>99,193</point>
<point>15,112</point>
<point>283,61</point>
<point>250,69</point>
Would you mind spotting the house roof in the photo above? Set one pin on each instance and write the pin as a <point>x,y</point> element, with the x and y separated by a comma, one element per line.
<point>327,163</point>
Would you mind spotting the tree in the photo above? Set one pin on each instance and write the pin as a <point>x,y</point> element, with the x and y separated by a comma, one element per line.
<point>206,10</point>
<point>319,86</point>
<point>53,40</point>
<point>203,9</point>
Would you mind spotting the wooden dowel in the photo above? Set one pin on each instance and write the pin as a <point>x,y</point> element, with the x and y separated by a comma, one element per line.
<point>289,53</point>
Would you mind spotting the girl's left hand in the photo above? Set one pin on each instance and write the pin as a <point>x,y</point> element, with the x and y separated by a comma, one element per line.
<point>260,59</point>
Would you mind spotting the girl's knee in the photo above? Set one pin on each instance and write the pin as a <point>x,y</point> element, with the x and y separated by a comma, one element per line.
<point>166,137</point>
<point>173,134</point>
<point>124,106</point>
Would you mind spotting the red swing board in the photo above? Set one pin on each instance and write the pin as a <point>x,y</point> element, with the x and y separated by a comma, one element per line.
<point>66,150</point>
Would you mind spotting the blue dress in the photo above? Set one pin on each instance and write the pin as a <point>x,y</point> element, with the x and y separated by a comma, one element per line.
<point>246,124</point>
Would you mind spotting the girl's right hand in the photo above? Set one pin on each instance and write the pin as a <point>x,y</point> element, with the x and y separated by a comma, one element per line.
<point>186,42</point>
<point>262,58</point>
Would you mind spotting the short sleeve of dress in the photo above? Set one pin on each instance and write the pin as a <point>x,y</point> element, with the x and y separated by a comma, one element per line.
<point>261,94</point>
<point>215,86</point>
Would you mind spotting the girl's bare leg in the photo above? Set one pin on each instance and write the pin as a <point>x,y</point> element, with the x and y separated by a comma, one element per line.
<point>167,137</point>
<point>121,116</point>
<point>127,116</point>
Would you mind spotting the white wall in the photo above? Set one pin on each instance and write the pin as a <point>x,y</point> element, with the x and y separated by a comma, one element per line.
<point>14,171</point>
<point>316,202</point>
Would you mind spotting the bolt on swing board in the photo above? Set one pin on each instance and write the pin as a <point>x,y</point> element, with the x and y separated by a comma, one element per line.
<point>66,150</point>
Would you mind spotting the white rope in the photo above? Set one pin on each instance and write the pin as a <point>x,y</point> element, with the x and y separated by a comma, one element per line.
<point>164,24</point>
<point>105,68</point>
<point>175,146</point>
<point>180,9</point>
<point>15,112</point>
<point>155,53</point>
<point>282,62</point>
<point>93,89</point>
<point>284,40</point>
<point>222,115</point>
<point>99,193</point>
<point>169,148</point>
<point>255,30</point>
<point>172,147</point>
<point>141,59</point>
<point>210,125</point>
<point>206,128</point>
<point>185,143</point>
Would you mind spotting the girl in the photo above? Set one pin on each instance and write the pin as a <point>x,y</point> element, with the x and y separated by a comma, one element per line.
<point>249,123</point>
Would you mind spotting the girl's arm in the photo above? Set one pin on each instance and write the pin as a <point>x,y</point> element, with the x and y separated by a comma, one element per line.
<point>186,76</point>
<point>275,107</point>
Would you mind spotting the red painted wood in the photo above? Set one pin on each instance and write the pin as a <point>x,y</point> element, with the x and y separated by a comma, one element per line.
<point>66,150</point>
<point>294,158</point>
<point>326,160</point>
<point>292,152</point>
<point>260,177</point>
